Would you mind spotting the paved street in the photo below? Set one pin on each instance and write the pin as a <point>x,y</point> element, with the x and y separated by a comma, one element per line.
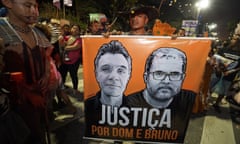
<point>204,128</point>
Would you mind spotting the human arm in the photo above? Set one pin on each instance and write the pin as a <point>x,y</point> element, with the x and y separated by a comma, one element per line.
<point>76,45</point>
<point>237,97</point>
<point>231,71</point>
<point>61,41</point>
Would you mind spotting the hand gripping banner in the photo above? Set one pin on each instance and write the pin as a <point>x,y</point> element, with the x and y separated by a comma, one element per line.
<point>141,88</point>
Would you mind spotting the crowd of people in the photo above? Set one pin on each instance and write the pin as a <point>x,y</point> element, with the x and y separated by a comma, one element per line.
<point>223,69</point>
<point>34,69</point>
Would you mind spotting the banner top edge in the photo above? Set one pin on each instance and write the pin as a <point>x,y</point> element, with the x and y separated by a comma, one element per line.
<point>148,36</point>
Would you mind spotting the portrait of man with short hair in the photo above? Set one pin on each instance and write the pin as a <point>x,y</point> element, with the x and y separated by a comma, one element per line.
<point>113,66</point>
<point>165,105</point>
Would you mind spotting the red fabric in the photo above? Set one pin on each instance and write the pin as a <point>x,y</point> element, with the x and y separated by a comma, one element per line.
<point>74,55</point>
<point>55,77</point>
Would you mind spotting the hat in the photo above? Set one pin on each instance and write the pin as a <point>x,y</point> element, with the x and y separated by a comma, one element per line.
<point>150,11</point>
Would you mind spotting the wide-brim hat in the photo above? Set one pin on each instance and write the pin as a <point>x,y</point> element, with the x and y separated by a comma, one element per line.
<point>151,12</point>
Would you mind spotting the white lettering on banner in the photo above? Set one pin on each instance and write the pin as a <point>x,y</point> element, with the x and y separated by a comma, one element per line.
<point>107,115</point>
<point>141,116</point>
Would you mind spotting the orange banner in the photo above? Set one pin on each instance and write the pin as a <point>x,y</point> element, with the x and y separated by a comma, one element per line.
<point>141,88</point>
<point>139,48</point>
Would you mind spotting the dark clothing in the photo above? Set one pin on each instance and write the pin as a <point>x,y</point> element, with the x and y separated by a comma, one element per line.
<point>232,53</point>
<point>72,65</point>
<point>224,81</point>
<point>180,109</point>
<point>73,70</point>
<point>234,90</point>
<point>93,113</point>
<point>13,129</point>
<point>28,95</point>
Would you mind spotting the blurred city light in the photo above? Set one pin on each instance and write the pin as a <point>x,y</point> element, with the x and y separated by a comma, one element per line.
<point>212,26</point>
<point>202,4</point>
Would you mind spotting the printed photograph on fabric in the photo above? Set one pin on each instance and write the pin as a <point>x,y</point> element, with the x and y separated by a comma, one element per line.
<point>165,106</point>
<point>113,67</point>
<point>159,112</point>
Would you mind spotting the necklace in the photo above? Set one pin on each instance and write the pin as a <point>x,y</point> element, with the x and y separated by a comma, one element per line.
<point>20,29</point>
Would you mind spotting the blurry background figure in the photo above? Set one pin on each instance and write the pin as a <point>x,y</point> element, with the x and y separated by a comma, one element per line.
<point>65,30</point>
<point>139,17</point>
<point>73,49</point>
<point>103,24</point>
<point>54,26</point>
<point>94,28</point>
<point>62,98</point>
<point>233,95</point>
<point>181,32</point>
<point>98,24</point>
<point>228,66</point>
<point>59,52</point>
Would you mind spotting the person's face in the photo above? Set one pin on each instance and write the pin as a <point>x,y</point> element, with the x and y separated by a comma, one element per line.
<point>95,27</point>
<point>23,10</point>
<point>138,21</point>
<point>75,30</point>
<point>164,88</point>
<point>234,39</point>
<point>181,33</point>
<point>65,30</point>
<point>112,74</point>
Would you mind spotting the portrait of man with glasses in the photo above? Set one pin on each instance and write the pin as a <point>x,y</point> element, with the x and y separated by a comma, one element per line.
<point>163,104</point>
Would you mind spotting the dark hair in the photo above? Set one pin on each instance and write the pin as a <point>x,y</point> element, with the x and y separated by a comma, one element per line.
<point>65,25</point>
<point>113,47</point>
<point>76,26</point>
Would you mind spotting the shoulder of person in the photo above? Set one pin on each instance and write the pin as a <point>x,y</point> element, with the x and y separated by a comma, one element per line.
<point>42,39</point>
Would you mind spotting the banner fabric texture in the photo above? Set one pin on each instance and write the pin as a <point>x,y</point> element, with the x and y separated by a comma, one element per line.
<point>141,88</point>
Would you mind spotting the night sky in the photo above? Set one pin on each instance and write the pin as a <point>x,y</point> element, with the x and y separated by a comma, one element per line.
<point>222,12</point>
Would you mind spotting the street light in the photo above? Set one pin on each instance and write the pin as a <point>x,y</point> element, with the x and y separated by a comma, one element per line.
<point>202,4</point>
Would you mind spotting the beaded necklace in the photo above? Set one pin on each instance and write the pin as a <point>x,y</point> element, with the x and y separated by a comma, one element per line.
<point>21,29</point>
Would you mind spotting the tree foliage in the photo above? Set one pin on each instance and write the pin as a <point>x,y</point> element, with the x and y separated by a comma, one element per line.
<point>81,9</point>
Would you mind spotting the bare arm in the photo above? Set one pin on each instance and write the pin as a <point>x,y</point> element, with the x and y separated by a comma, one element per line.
<point>75,46</point>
